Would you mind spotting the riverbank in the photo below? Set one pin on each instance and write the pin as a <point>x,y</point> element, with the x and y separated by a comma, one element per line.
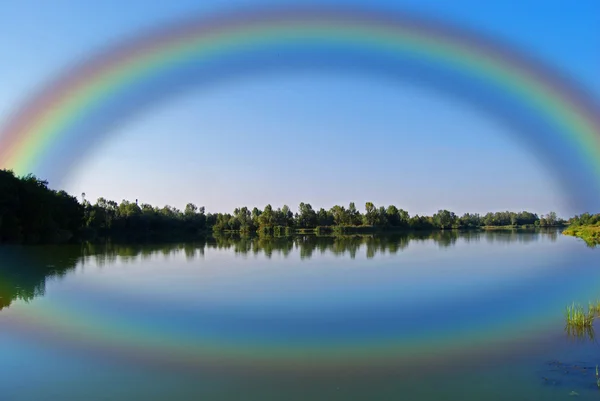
<point>364,229</point>
<point>589,233</point>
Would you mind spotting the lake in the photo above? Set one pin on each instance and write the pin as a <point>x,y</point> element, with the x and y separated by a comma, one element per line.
<point>442,316</point>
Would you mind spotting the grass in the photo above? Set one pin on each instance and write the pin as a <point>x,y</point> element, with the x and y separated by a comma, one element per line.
<point>590,234</point>
<point>577,316</point>
<point>580,322</point>
<point>594,307</point>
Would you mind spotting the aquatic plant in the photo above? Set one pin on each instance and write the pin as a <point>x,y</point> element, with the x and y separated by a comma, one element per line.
<point>576,316</point>
<point>595,307</point>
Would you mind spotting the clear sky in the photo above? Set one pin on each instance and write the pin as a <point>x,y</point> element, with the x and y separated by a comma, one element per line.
<point>321,138</point>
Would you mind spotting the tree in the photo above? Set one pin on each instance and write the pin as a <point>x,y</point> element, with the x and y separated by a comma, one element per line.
<point>371,215</point>
<point>325,218</point>
<point>353,215</point>
<point>381,220</point>
<point>306,216</point>
<point>551,219</point>
<point>190,209</point>
<point>444,219</point>
<point>404,218</point>
<point>266,218</point>
<point>288,216</point>
<point>392,216</point>
<point>339,215</point>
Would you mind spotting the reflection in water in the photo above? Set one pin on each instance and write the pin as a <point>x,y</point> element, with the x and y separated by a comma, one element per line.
<point>580,334</point>
<point>25,270</point>
<point>213,319</point>
<point>308,244</point>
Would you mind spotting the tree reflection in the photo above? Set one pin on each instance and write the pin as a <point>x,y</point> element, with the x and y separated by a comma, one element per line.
<point>24,271</point>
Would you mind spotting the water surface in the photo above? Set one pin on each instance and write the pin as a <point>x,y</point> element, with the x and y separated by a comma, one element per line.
<point>475,315</point>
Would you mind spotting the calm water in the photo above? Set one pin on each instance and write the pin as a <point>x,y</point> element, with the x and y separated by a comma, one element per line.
<point>476,316</point>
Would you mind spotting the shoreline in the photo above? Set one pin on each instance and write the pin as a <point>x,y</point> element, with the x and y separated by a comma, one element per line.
<point>349,230</point>
<point>590,234</point>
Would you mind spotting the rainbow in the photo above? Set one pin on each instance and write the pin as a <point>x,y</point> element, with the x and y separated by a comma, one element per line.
<point>50,133</point>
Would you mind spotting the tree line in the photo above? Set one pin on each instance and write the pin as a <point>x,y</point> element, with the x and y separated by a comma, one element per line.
<point>271,221</point>
<point>585,219</point>
<point>33,213</point>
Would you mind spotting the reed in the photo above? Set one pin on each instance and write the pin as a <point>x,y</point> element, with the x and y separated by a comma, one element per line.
<point>595,307</point>
<point>577,316</point>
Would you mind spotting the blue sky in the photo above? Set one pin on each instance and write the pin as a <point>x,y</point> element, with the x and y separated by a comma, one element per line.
<point>321,138</point>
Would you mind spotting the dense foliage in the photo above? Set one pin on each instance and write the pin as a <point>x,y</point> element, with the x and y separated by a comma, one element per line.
<point>585,219</point>
<point>31,212</point>
<point>585,226</point>
<point>272,221</point>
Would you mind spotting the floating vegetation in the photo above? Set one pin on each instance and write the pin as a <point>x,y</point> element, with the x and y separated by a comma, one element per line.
<point>577,316</point>
<point>579,377</point>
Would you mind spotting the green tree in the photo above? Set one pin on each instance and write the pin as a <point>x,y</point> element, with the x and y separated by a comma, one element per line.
<point>307,217</point>
<point>371,215</point>
<point>444,219</point>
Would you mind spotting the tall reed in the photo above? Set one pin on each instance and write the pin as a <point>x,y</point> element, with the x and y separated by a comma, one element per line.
<point>578,317</point>
<point>595,307</point>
